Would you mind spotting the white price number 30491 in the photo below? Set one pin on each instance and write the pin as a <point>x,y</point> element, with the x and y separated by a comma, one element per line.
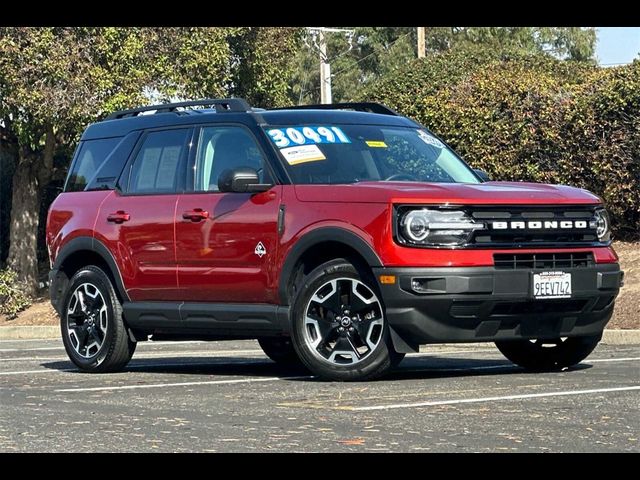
<point>284,138</point>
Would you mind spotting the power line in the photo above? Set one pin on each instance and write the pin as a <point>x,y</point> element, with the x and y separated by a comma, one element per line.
<point>372,53</point>
<point>313,90</point>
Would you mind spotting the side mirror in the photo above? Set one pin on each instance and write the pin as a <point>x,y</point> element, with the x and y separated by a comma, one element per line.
<point>241,180</point>
<point>482,174</point>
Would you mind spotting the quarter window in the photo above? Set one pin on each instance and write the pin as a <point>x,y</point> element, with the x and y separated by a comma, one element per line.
<point>90,158</point>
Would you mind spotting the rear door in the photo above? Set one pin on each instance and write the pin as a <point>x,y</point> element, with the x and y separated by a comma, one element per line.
<point>226,242</point>
<point>138,221</point>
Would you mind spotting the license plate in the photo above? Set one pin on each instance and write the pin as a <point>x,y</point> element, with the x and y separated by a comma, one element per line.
<point>551,285</point>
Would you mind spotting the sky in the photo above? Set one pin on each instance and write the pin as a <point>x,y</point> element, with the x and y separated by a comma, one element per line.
<point>617,45</point>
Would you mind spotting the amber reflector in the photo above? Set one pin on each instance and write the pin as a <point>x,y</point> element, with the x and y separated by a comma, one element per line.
<point>387,279</point>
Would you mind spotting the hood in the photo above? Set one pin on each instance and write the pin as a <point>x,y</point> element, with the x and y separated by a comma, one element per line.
<point>453,193</point>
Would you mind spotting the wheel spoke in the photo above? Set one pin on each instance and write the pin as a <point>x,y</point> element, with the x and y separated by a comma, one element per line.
<point>79,337</point>
<point>328,296</point>
<point>357,301</point>
<point>320,330</point>
<point>344,347</point>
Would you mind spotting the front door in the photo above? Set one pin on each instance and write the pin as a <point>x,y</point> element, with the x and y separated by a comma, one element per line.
<point>226,242</point>
<point>138,223</point>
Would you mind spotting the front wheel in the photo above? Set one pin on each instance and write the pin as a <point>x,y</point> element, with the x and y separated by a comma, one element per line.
<point>93,331</point>
<point>339,326</point>
<point>545,355</point>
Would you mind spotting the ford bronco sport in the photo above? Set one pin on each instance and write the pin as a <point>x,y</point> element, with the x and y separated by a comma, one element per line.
<point>340,236</point>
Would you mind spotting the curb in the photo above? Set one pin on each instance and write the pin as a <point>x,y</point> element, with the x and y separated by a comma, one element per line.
<point>33,332</point>
<point>621,337</point>
<point>29,332</point>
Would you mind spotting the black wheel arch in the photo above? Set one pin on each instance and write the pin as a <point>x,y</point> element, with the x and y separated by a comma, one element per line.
<point>96,247</point>
<point>318,237</point>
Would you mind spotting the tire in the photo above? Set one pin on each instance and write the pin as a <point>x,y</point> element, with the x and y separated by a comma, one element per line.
<point>548,355</point>
<point>93,331</point>
<point>338,295</point>
<point>280,350</point>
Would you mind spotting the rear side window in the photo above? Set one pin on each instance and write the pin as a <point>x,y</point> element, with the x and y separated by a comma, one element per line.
<point>156,166</point>
<point>90,158</point>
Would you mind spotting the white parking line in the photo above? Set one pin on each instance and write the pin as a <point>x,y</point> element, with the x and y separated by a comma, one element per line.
<point>598,360</point>
<point>4,350</point>
<point>183,384</point>
<point>61,347</point>
<point>129,367</point>
<point>42,370</point>
<point>493,399</point>
<point>199,353</point>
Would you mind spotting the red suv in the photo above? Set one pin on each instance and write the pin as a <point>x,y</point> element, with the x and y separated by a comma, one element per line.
<point>340,236</point>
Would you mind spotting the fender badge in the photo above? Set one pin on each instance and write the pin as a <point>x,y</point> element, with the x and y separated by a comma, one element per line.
<point>260,250</point>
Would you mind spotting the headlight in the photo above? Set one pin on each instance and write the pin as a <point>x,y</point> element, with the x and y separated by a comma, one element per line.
<point>601,224</point>
<point>428,227</point>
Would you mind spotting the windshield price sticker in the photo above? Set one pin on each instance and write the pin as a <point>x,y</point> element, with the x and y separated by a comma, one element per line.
<point>291,136</point>
<point>302,154</point>
<point>430,139</point>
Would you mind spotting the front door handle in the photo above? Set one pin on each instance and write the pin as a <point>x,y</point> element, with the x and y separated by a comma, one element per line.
<point>195,215</point>
<point>118,217</point>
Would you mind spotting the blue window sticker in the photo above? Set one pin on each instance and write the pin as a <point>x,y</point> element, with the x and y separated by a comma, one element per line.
<point>308,135</point>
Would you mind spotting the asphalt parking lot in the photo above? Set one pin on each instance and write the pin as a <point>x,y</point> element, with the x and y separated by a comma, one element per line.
<point>227,396</point>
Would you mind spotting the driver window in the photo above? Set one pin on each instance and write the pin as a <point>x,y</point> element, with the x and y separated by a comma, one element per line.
<point>222,148</point>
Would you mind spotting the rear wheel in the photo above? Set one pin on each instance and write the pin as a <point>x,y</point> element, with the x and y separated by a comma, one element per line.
<point>339,327</point>
<point>93,332</point>
<point>280,350</point>
<point>544,355</point>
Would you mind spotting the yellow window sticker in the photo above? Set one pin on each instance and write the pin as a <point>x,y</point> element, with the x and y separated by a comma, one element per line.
<point>302,154</point>
<point>376,144</point>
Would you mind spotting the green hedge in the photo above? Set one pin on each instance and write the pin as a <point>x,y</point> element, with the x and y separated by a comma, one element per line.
<point>532,118</point>
<point>12,299</point>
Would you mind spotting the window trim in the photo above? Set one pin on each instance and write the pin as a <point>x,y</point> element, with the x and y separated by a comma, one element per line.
<point>124,181</point>
<point>189,185</point>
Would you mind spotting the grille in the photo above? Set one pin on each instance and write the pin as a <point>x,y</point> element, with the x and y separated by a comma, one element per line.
<point>508,261</point>
<point>543,226</point>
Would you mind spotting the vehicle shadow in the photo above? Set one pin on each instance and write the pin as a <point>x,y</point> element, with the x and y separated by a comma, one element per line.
<point>412,368</point>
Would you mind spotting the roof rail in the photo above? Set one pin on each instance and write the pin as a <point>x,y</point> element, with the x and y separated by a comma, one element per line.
<point>221,105</point>
<point>357,106</point>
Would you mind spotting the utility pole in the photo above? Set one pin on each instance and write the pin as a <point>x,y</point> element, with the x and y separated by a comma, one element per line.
<point>325,70</point>
<point>422,42</point>
<point>325,67</point>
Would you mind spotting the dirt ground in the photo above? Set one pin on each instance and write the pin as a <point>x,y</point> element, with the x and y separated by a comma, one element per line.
<point>626,315</point>
<point>627,310</point>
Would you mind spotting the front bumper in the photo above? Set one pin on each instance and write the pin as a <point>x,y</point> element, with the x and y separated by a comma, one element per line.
<point>479,304</point>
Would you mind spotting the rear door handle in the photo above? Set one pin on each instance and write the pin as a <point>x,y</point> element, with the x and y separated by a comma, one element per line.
<point>118,217</point>
<point>195,215</point>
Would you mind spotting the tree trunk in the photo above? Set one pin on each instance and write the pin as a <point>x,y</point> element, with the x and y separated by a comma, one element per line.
<point>25,209</point>
<point>8,162</point>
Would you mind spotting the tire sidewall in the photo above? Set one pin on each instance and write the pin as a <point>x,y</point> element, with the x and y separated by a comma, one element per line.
<point>376,363</point>
<point>97,278</point>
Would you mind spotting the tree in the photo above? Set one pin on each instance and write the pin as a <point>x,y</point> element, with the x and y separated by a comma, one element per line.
<point>376,51</point>
<point>54,81</point>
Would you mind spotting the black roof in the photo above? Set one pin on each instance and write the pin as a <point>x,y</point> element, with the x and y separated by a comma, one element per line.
<point>121,123</point>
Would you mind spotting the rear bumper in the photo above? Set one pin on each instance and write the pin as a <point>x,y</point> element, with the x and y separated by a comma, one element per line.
<point>478,304</point>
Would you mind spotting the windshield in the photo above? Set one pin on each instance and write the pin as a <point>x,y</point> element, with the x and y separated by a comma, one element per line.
<point>331,154</point>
